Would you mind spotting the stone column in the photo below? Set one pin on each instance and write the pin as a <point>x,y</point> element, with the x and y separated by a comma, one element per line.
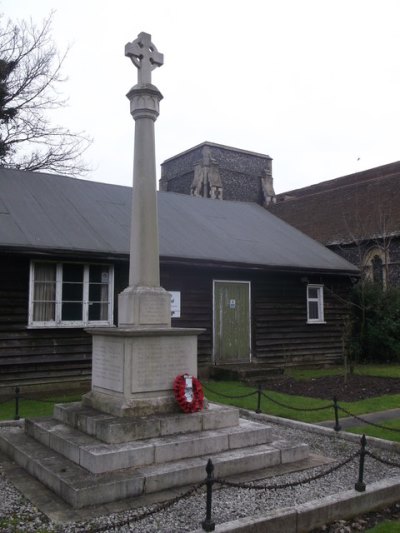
<point>134,365</point>
<point>144,302</point>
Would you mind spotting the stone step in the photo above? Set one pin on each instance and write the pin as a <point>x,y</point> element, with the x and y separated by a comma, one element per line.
<point>98,457</point>
<point>80,488</point>
<point>112,429</point>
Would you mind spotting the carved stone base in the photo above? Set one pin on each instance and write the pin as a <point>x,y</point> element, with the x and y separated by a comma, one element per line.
<point>136,406</point>
<point>144,306</point>
<point>134,368</point>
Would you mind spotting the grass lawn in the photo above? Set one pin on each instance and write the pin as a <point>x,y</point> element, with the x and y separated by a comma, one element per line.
<point>32,408</point>
<point>214,389</point>
<point>388,526</point>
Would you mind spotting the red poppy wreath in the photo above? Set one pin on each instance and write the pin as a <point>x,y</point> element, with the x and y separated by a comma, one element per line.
<point>188,393</point>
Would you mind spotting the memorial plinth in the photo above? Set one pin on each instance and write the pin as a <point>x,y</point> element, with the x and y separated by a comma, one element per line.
<point>134,369</point>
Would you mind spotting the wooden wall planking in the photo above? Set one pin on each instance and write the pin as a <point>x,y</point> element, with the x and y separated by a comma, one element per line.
<point>280,333</point>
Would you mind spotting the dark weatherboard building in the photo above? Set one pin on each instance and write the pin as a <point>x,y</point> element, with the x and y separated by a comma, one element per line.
<point>262,290</point>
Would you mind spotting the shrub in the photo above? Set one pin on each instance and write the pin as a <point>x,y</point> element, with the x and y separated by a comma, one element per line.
<point>374,332</point>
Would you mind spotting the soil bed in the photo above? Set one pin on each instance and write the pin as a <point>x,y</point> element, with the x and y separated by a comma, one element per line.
<point>357,387</point>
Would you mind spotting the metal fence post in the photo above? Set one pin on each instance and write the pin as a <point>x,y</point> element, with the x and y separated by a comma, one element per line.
<point>360,485</point>
<point>208,524</point>
<point>16,403</point>
<point>259,391</point>
<point>337,426</point>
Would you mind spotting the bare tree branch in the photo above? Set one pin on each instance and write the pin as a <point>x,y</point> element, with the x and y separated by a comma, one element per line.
<point>30,73</point>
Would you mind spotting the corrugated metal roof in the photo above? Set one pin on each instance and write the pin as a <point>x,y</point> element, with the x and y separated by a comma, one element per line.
<point>46,211</point>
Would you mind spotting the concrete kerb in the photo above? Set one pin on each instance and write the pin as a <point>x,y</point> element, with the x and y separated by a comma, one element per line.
<point>308,516</point>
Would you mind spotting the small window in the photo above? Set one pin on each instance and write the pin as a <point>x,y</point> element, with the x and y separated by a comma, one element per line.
<point>377,270</point>
<point>375,265</point>
<point>315,304</point>
<point>70,295</point>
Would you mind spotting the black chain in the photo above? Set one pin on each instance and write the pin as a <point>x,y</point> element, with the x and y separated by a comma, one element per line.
<point>297,408</point>
<point>366,421</point>
<point>145,514</point>
<point>384,461</point>
<point>227,396</point>
<point>289,483</point>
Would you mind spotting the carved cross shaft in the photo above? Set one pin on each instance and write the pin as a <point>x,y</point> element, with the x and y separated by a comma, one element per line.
<point>145,56</point>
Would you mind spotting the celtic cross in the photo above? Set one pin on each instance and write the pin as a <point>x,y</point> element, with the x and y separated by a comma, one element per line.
<point>145,56</point>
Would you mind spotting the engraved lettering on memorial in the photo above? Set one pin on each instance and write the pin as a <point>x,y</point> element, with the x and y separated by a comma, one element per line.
<point>149,310</point>
<point>156,364</point>
<point>108,366</point>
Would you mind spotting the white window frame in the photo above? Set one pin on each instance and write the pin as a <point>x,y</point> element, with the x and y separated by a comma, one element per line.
<point>85,322</point>
<point>319,300</point>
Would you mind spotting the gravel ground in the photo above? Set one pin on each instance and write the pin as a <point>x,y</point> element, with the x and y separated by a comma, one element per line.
<point>19,515</point>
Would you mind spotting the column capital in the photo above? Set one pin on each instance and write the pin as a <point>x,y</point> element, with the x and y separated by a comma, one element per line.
<point>145,101</point>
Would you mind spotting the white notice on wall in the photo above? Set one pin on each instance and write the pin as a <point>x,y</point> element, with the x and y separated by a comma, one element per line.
<point>175,304</point>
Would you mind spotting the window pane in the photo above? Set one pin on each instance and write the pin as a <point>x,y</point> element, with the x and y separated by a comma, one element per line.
<point>72,292</point>
<point>44,292</point>
<point>71,311</point>
<point>313,310</point>
<point>98,293</point>
<point>312,292</point>
<point>73,272</point>
<point>98,274</point>
<point>377,270</point>
<point>43,312</point>
<point>98,311</point>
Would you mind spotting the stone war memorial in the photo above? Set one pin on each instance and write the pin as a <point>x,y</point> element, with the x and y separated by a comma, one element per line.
<point>128,436</point>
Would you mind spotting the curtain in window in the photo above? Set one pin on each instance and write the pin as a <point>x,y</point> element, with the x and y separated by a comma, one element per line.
<point>104,302</point>
<point>99,293</point>
<point>44,292</point>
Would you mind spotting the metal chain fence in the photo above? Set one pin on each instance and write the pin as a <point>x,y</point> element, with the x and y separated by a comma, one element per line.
<point>159,508</point>
<point>306,409</point>
<point>289,484</point>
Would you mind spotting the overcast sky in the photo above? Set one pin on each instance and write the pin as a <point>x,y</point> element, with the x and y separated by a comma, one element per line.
<point>314,84</point>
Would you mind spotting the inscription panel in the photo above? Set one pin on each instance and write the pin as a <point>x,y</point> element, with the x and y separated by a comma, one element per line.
<point>149,310</point>
<point>157,361</point>
<point>108,364</point>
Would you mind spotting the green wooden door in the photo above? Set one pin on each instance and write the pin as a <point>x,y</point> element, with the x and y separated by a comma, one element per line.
<point>231,322</point>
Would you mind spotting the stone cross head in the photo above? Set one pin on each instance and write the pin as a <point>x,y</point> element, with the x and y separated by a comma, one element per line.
<point>145,56</point>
